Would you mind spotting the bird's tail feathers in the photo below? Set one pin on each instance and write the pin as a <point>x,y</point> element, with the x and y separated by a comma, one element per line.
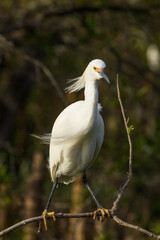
<point>44,139</point>
<point>76,84</point>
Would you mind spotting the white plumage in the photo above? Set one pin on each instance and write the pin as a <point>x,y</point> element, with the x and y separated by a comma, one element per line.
<point>78,132</point>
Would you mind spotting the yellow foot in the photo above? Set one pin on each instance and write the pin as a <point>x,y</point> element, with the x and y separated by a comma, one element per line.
<point>53,215</point>
<point>104,212</point>
<point>44,214</point>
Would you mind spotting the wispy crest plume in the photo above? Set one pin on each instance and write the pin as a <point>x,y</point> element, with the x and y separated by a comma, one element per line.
<point>76,84</point>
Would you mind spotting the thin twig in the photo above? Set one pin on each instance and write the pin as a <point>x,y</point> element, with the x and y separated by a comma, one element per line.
<point>116,202</point>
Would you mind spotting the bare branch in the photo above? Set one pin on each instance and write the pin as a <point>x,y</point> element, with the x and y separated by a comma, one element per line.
<point>137,228</point>
<point>88,9</point>
<point>116,202</point>
<point>77,215</point>
<point>8,46</point>
<point>37,219</point>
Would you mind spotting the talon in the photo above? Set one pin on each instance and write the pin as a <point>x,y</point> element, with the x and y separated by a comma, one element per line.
<point>103,215</point>
<point>53,215</point>
<point>107,213</point>
<point>103,211</point>
<point>44,220</point>
<point>39,227</point>
<point>44,214</point>
<point>95,215</point>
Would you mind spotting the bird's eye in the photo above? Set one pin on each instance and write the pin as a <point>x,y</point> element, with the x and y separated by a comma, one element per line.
<point>94,68</point>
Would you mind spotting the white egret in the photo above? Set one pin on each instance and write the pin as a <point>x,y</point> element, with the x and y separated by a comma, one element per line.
<point>77,134</point>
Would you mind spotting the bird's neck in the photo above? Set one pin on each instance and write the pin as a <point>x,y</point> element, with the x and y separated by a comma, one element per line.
<point>91,92</point>
<point>91,101</point>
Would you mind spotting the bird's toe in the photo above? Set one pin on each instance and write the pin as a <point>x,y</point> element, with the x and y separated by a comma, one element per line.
<point>44,214</point>
<point>53,215</point>
<point>104,213</point>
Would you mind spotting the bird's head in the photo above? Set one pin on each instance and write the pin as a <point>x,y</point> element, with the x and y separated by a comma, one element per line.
<point>94,71</point>
<point>97,68</point>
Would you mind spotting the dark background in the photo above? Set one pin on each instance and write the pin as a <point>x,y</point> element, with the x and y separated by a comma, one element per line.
<point>44,43</point>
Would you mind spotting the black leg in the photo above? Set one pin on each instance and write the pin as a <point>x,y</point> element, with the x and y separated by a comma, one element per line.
<point>104,212</point>
<point>45,212</point>
<point>52,191</point>
<point>89,189</point>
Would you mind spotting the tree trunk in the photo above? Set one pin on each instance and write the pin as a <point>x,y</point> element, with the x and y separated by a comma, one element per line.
<point>4,206</point>
<point>33,198</point>
<point>76,226</point>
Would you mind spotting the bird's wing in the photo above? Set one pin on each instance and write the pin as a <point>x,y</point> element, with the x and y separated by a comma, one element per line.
<point>99,136</point>
<point>69,124</point>
<point>66,129</point>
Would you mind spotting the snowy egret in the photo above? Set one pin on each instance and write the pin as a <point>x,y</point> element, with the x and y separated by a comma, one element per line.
<point>77,134</point>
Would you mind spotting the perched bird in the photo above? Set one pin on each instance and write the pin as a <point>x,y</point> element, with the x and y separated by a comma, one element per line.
<point>77,134</point>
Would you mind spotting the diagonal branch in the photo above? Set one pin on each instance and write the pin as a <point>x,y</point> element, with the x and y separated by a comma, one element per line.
<point>49,75</point>
<point>8,46</point>
<point>137,228</point>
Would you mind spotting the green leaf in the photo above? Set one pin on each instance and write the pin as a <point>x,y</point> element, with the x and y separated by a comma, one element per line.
<point>130,129</point>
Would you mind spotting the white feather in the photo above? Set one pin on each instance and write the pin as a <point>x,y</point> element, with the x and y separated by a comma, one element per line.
<point>77,84</point>
<point>44,139</point>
